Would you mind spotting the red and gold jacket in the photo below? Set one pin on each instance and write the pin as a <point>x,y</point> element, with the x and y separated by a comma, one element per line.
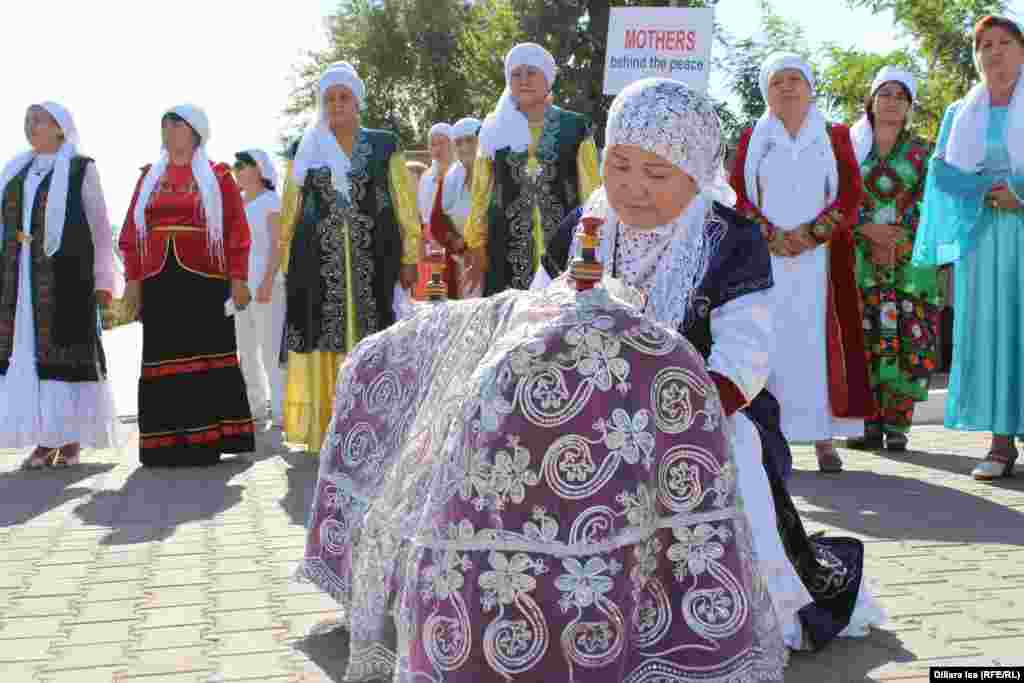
<point>176,224</point>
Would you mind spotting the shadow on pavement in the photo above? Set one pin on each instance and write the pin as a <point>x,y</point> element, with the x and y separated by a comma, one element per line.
<point>153,502</point>
<point>28,494</point>
<point>954,464</point>
<point>328,651</point>
<point>849,659</point>
<point>887,506</point>
<point>302,473</point>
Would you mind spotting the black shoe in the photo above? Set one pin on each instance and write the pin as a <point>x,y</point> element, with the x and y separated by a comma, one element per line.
<point>896,442</point>
<point>871,441</point>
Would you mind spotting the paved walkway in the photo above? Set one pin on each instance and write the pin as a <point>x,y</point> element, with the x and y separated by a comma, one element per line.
<point>113,573</point>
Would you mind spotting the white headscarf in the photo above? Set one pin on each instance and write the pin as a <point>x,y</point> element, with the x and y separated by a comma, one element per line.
<point>438,129</point>
<point>202,172</point>
<point>465,126</point>
<point>506,126</point>
<point>769,131</point>
<point>965,148</point>
<point>680,125</point>
<point>57,197</point>
<point>862,133</point>
<point>319,147</point>
<point>263,162</point>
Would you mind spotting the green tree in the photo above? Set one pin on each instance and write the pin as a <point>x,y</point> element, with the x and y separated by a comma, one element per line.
<point>940,31</point>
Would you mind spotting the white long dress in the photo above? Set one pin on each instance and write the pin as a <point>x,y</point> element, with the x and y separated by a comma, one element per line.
<point>793,193</point>
<point>52,413</point>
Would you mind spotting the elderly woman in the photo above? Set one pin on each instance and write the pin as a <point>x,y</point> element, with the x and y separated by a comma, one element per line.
<point>56,267</point>
<point>257,327</point>
<point>537,487</point>
<point>705,271</point>
<point>357,236</point>
<point>436,197</point>
<point>537,163</point>
<point>901,314</point>
<point>797,176</point>
<point>973,218</point>
<point>185,242</point>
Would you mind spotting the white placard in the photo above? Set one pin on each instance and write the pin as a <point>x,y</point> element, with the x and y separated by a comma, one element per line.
<point>664,42</point>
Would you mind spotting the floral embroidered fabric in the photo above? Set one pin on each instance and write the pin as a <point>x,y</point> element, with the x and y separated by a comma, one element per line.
<point>537,486</point>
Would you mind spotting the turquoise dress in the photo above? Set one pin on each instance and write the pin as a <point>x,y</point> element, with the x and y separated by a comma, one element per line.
<point>986,247</point>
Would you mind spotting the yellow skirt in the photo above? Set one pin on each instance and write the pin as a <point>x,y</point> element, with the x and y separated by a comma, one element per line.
<point>309,397</point>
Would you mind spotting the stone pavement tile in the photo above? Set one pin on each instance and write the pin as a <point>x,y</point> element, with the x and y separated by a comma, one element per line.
<point>172,562</point>
<point>112,610</point>
<point>41,607</point>
<point>221,583</point>
<point>33,627</point>
<point>286,570</point>
<point>14,580</point>
<point>175,637</point>
<point>254,666</point>
<point>304,604</point>
<point>952,628</point>
<point>47,589</point>
<point>234,552</point>
<point>236,600</point>
<point>23,554</point>
<point>186,615</point>
<point>300,625</point>
<point>914,605</point>
<point>174,596</point>
<point>243,620</point>
<point>101,632</point>
<point>190,677</point>
<point>27,650</point>
<point>248,642</point>
<point>58,558</point>
<point>61,572</point>
<point>105,592</point>
<point>20,673</point>
<point>178,577</point>
<point>238,565</point>
<point>130,573</point>
<point>86,657</point>
<point>166,662</point>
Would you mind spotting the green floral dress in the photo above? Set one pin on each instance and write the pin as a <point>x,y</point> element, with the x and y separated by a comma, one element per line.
<point>901,302</point>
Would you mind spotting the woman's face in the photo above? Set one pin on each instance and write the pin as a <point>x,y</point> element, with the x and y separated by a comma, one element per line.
<point>891,104</point>
<point>644,189</point>
<point>249,178</point>
<point>441,148</point>
<point>1000,55</point>
<point>178,137</point>
<point>528,86</point>
<point>789,94</point>
<point>43,131</point>
<point>465,149</point>
<point>340,106</point>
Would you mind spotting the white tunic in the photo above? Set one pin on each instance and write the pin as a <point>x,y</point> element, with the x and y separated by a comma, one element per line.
<point>51,413</point>
<point>257,213</point>
<point>793,193</point>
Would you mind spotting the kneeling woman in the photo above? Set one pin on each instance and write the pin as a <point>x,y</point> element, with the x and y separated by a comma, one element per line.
<point>706,271</point>
<point>186,251</point>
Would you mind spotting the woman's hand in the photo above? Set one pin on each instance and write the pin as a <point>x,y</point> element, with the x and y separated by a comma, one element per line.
<point>883,236</point>
<point>265,291</point>
<point>1000,197</point>
<point>133,298</point>
<point>476,264</point>
<point>240,294</point>
<point>407,277</point>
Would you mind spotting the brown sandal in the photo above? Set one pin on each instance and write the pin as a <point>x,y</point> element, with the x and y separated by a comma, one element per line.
<point>40,458</point>
<point>996,465</point>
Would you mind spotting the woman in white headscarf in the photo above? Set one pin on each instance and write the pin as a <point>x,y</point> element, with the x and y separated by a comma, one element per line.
<point>668,231</point>
<point>185,242</point>
<point>973,218</point>
<point>355,241</point>
<point>901,316</point>
<point>797,175</point>
<point>56,268</point>
<point>259,327</point>
<point>438,191</point>
<point>537,163</point>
